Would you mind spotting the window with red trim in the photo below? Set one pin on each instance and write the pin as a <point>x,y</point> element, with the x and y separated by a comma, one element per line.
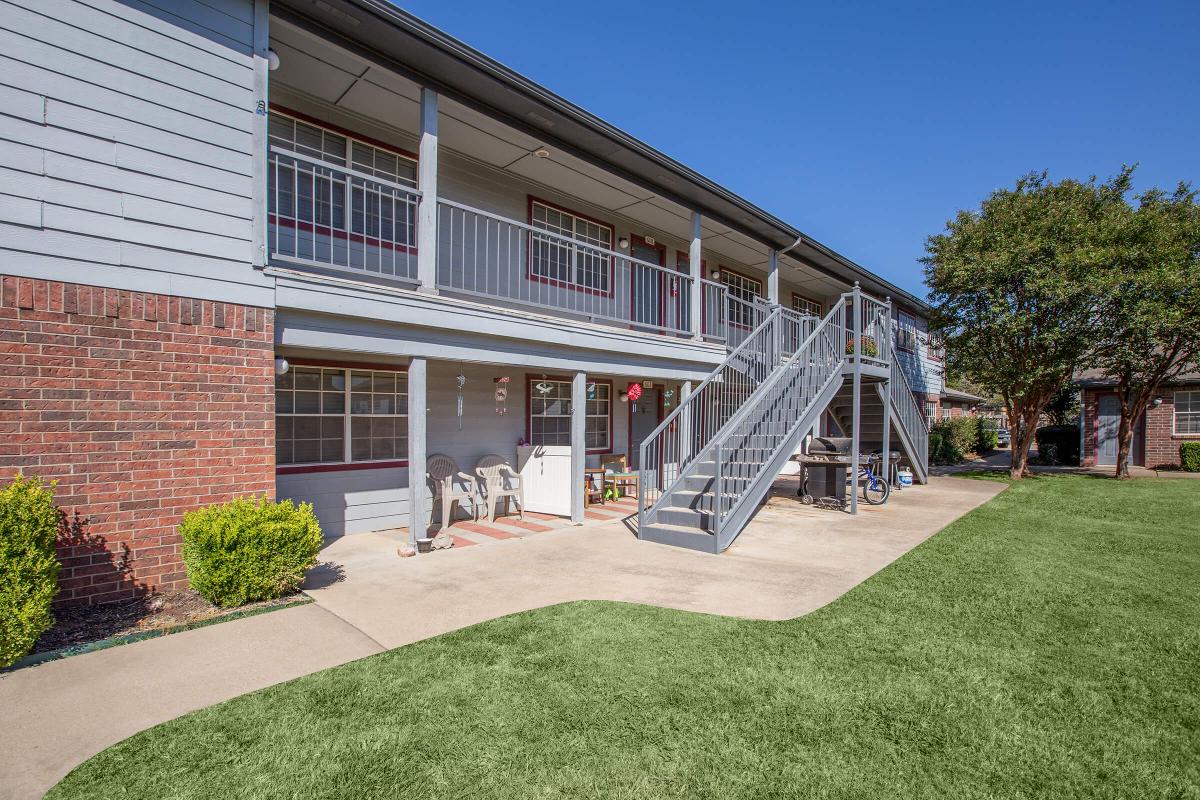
<point>562,263</point>
<point>906,332</point>
<point>805,305</point>
<point>550,413</point>
<point>744,288</point>
<point>325,213</point>
<point>336,415</point>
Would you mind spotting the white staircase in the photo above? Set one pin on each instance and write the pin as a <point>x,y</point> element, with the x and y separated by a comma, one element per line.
<point>708,465</point>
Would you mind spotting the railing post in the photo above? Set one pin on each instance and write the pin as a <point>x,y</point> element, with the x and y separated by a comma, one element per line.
<point>717,495</point>
<point>857,410</point>
<point>696,268</point>
<point>427,214</point>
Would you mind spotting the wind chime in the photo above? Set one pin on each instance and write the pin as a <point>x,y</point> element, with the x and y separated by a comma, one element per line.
<point>502,395</point>
<point>462,381</point>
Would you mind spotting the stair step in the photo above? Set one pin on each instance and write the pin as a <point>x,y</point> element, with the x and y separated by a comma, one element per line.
<point>684,518</point>
<point>678,536</point>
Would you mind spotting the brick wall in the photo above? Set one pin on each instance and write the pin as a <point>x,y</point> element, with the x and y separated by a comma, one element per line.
<point>142,407</point>
<point>1162,445</point>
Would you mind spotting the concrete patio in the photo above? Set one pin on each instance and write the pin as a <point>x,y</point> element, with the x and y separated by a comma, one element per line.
<point>791,560</point>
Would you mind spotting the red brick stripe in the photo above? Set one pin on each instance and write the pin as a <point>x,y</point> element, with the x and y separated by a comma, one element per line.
<point>528,526</point>
<point>495,533</point>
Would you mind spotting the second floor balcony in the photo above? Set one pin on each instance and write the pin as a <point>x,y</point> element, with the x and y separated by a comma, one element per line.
<point>335,217</point>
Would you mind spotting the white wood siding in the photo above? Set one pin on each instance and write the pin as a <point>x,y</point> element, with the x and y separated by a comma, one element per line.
<point>127,144</point>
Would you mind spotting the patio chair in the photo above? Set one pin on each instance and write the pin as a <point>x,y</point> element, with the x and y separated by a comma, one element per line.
<point>618,476</point>
<point>500,482</point>
<point>452,486</point>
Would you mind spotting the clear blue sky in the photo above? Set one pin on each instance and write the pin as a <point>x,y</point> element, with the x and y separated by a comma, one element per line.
<point>867,125</point>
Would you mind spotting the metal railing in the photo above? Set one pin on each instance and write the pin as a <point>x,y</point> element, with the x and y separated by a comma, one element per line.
<point>714,310</point>
<point>742,451</point>
<point>687,430</point>
<point>909,415</point>
<point>875,333</point>
<point>486,255</point>
<point>333,217</point>
<point>743,318</point>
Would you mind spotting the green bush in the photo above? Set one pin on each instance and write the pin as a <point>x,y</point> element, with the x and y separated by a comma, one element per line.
<point>28,564</point>
<point>1189,456</point>
<point>1058,444</point>
<point>942,450</point>
<point>987,440</point>
<point>249,550</point>
<point>960,435</point>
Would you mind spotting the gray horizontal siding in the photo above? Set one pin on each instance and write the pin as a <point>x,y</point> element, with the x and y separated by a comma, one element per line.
<point>127,144</point>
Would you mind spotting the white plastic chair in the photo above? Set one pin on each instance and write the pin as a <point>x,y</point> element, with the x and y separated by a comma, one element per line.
<point>500,482</point>
<point>452,485</point>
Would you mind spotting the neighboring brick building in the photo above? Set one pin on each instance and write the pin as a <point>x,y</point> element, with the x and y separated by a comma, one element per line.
<point>142,407</point>
<point>1173,418</point>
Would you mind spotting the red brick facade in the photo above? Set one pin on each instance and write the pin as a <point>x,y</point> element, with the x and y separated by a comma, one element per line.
<point>1161,447</point>
<point>142,407</point>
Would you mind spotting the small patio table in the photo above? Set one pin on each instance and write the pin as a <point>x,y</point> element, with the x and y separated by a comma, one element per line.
<point>622,481</point>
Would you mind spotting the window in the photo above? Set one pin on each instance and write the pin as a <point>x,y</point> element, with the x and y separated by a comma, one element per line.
<point>745,289</point>
<point>550,413</point>
<point>906,333</point>
<point>806,306</point>
<point>937,348</point>
<point>334,415</point>
<point>1187,413</point>
<point>931,413</point>
<point>555,261</point>
<point>324,214</point>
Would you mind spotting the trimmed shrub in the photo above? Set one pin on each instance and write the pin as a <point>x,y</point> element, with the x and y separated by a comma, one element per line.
<point>1189,456</point>
<point>987,440</point>
<point>1058,444</point>
<point>29,525</point>
<point>942,450</point>
<point>249,550</point>
<point>961,434</point>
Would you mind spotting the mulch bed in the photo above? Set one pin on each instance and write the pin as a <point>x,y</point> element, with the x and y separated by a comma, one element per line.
<point>85,624</point>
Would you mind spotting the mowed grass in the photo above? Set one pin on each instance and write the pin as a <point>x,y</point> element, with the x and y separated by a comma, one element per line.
<point>1045,645</point>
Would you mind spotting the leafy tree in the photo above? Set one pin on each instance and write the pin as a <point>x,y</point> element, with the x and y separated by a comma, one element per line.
<point>1152,306</point>
<point>1015,287</point>
<point>1063,408</point>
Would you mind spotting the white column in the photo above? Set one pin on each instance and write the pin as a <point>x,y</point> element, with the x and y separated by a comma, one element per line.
<point>418,504</point>
<point>695,314</point>
<point>773,278</point>
<point>578,443</point>
<point>427,168</point>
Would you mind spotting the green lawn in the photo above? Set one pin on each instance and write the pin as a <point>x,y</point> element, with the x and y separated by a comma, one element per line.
<point>1045,645</point>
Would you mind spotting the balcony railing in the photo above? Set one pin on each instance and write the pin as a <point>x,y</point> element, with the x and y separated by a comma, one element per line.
<point>486,255</point>
<point>333,217</point>
<point>337,218</point>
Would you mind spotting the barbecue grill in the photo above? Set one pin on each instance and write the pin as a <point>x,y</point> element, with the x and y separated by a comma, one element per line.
<point>834,454</point>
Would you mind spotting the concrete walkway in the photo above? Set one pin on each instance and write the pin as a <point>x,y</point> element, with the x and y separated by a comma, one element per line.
<point>1000,460</point>
<point>791,560</point>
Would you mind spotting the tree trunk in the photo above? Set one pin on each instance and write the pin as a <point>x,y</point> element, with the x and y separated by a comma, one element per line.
<point>1020,449</point>
<point>1124,440</point>
<point>1133,404</point>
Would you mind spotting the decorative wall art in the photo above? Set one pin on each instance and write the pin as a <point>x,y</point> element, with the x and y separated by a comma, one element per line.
<point>462,381</point>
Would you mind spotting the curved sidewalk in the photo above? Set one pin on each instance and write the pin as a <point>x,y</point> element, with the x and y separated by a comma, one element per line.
<point>791,559</point>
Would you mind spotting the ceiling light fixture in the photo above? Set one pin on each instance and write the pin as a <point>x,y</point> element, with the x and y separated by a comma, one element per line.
<point>272,60</point>
<point>542,152</point>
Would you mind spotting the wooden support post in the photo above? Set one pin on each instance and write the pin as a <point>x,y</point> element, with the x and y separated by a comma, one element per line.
<point>695,266</point>
<point>427,214</point>
<point>578,444</point>
<point>418,504</point>
<point>773,278</point>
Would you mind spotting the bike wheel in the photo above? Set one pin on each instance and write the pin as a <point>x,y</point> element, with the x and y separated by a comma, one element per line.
<point>876,492</point>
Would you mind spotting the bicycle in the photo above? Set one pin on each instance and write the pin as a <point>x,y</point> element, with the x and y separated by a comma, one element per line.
<point>875,488</point>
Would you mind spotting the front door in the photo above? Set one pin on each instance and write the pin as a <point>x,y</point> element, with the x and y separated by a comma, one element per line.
<point>1108,424</point>
<point>644,416</point>
<point>646,283</point>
